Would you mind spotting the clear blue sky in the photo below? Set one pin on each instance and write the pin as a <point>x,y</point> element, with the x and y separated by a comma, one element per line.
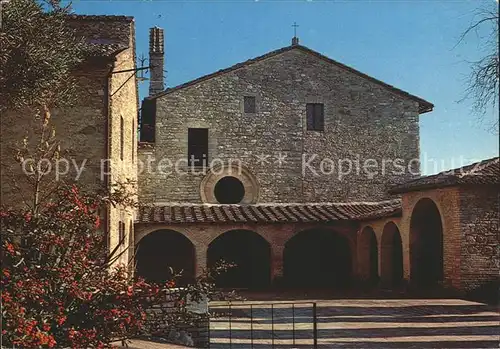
<point>408,44</point>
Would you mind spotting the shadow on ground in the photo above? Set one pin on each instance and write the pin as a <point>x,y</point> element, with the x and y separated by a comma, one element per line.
<point>356,323</point>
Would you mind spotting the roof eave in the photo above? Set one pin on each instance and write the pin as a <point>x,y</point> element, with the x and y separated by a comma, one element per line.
<point>424,106</point>
<point>406,189</point>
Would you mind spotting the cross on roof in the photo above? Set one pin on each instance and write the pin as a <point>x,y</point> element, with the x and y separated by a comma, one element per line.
<point>295,26</point>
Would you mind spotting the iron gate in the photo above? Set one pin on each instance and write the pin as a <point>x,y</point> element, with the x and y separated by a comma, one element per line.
<point>279,325</point>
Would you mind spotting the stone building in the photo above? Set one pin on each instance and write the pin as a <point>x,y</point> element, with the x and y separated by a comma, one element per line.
<point>100,130</point>
<point>304,172</point>
<point>259,107</point>
<point>300,169</point>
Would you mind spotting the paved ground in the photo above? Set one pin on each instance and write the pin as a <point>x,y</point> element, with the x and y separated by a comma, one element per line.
<point>358,323</point>
<point>142,344</point>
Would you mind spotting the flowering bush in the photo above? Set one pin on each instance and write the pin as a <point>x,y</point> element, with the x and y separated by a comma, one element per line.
<point>58,289</point>
<point>61,286</point>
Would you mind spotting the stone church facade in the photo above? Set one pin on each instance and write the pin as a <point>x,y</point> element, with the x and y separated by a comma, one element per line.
<point>362,119</point>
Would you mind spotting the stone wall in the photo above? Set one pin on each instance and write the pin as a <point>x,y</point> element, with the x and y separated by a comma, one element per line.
<point>363,120</point>
<point>123,109</point>
<point>80,131</point>
<point>103,30</point>
<point>479,219</point>
<point>89,132</point>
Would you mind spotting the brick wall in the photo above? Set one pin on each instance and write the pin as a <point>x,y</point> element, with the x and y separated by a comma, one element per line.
<point>447,201</point>
<point>480,235</point>
<point>362,119</point>
<point>471,235</point>
<point>277,235</point>
<point>380,227</point>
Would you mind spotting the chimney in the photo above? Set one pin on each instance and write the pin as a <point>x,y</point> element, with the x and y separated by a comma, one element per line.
<point>156,60</point>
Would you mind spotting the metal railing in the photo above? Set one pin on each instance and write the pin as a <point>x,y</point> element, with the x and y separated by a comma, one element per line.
<point>248,316</point>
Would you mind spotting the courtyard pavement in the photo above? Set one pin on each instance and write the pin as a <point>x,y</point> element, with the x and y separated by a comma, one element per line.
<point>357,323</point>
<point>145,344</point>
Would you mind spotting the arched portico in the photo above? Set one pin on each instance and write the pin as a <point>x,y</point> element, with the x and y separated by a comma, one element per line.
<point>368,255</point>
<point>249,252</point>
<point>426,244</point>
<point>317,258</point>
<point>391,255</point>
<point>164,253</point>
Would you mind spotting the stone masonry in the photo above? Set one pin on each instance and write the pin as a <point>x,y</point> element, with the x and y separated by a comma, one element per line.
<point>364,119</point>
<point>90,132</point>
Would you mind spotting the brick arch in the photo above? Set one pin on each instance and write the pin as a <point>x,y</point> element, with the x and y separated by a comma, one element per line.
<point>141,232</point>
<point>426,242</point>
<point>318,256</point>
<point>250,253</point>
<point>346,235</point>
<point>368,252</point>
<point>436,200</point>
<point>162,251</point>
<point>391,255</point>
<point>257,230</point>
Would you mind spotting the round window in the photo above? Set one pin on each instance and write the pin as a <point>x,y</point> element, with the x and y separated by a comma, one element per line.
<point>229,190</point>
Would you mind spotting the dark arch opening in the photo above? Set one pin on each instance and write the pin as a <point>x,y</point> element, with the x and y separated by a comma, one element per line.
<point>163,250</point>
<point>391,255</point>
<point>251,255</point>
<point>317,258</point>
<point>369,255</point>
<point>426,244</point>
<point>229,190</point>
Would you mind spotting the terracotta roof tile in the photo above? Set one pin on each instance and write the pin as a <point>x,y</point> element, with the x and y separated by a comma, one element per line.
<point>177,213</point>
<point>79,17</point>
<point>482,172</point>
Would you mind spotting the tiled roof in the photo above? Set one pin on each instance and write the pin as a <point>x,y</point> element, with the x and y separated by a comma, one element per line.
<point>483,172</point>
<point>267,213</point>
<point>79,17</point>
<point>424,106</point>
<point>103,50</point>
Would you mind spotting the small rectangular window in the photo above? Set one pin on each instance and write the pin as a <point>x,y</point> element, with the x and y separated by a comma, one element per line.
<point>134,132</point>
<point>108,242</point>
<point>249,104</point>
<point>121,137</point>
<point>315,116</point>
<point>121,233</point>
<point>147,121</point>
<point>198,147</point>
<point>131,234</point>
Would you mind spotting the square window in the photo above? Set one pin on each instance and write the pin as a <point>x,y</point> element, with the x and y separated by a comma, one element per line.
<point>315,113</point>
<point>249,104</point>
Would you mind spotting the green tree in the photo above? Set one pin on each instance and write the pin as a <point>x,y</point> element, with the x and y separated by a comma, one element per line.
<point>38,51</point>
